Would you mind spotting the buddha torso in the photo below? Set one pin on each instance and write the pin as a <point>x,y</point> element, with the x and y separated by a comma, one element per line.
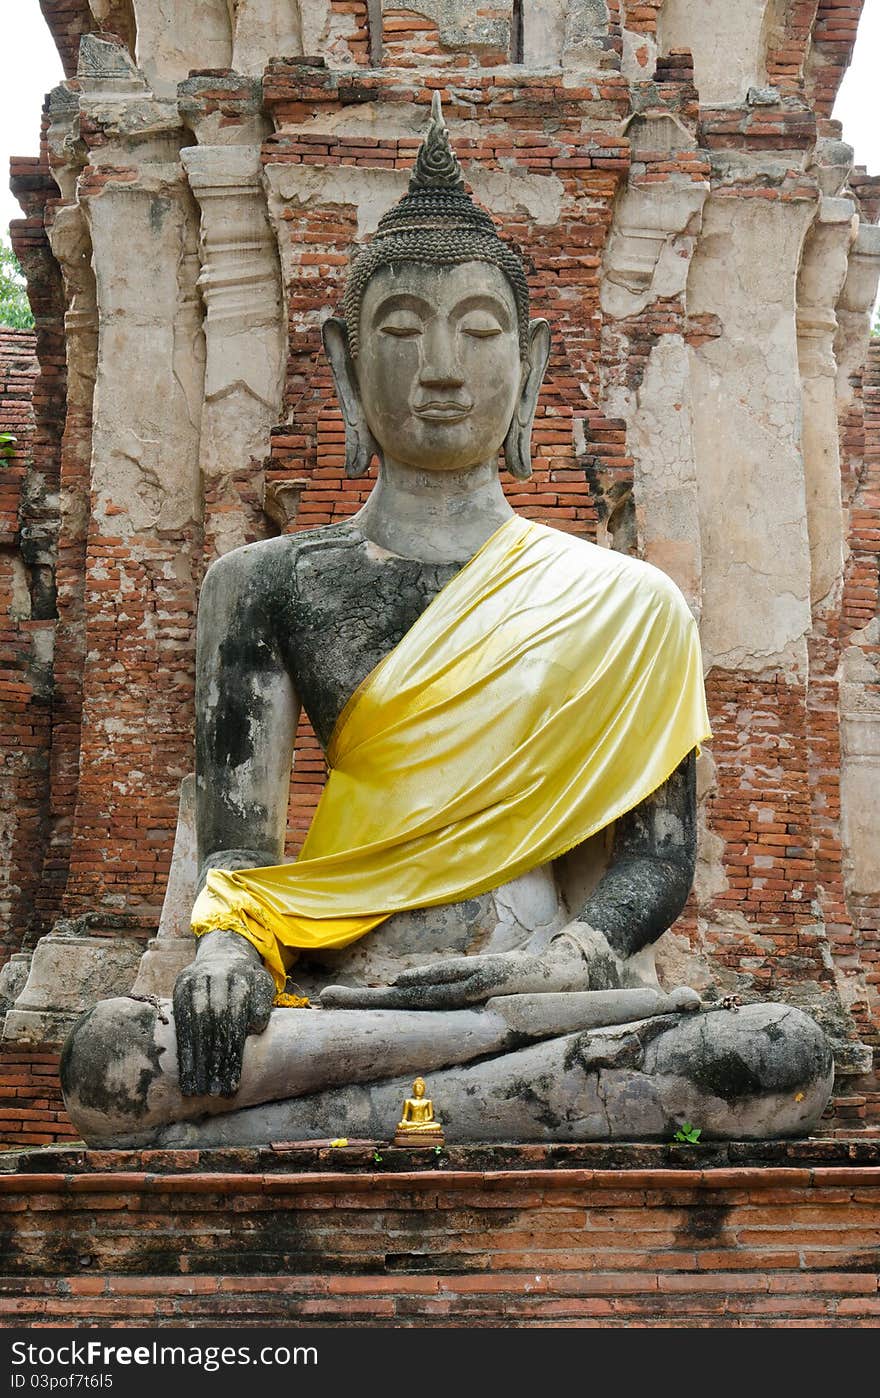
<point>339,605</point>
<point>348,604</point>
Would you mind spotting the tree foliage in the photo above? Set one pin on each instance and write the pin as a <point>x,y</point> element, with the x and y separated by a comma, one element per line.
<point>14,306</point>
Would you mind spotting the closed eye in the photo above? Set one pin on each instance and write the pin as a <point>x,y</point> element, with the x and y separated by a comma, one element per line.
<point>481,329</point>
<point>402,330</point>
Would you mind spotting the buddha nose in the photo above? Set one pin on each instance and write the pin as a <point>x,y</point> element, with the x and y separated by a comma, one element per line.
<point>440,366</point>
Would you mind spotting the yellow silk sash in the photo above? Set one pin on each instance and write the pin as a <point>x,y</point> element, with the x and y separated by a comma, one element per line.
<point>546,690</point>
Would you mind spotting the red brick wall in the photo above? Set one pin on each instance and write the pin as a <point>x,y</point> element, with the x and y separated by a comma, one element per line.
<point>410,40</point>
<point>619,1247</point>
<point>786,59</point>
<point>834,37</point>
<point>24,684</point>
<point>640,16</point>
<point>88,850</point>
<point>68,20</point>
<point>31,1106</point>
<point>36,544</point>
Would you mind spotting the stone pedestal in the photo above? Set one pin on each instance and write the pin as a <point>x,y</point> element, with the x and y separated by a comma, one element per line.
<point>508,1236</point>
<point>13,977</point>
<point>69,972</point>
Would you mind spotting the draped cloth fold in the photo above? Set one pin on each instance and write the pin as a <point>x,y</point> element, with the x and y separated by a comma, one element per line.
<point>547,689</point>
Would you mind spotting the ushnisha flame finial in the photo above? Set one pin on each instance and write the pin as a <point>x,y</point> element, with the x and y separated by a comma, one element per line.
<point>436,164</point>
<point>436,199</point>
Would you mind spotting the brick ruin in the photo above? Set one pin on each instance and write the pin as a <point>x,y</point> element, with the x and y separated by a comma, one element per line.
<point>518,1237</point>
<point>708,257</point>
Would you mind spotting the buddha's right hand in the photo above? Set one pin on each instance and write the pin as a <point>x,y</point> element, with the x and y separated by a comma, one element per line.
<point>222,997</point>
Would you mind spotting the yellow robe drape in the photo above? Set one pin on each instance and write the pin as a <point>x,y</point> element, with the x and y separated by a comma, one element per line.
<point>547,689</point>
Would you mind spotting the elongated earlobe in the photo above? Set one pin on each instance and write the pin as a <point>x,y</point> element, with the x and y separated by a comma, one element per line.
<point>360,444</point>
<point>518,442</point>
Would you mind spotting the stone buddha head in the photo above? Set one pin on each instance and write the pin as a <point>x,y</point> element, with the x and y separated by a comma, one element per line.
<point>436,362</point>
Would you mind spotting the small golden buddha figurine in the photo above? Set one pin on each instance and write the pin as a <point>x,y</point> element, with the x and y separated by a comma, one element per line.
<point>418,1125</point>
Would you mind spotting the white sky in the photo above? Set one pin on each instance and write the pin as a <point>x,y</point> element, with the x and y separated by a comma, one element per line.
<point>29,67</point>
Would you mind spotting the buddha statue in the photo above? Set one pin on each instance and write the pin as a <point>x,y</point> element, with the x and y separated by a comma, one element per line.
<point>510,716</point>
<point>418,1125</point>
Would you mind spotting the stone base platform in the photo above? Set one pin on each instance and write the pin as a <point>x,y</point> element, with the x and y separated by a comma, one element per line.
<point>786,1233</point>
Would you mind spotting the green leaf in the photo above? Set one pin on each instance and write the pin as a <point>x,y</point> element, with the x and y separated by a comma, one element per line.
<point>15,309</point>
<point>688,1133</point>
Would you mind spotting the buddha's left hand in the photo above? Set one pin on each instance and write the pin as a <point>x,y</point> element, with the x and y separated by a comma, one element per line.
<point>469,980</point>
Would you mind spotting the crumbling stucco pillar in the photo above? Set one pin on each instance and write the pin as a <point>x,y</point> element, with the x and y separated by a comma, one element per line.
<point>860,760</point>
<point>647,257</point>
<point>747,407</point>
<point>854,309</point>
<point>263,29</point>
<point>143,554</point>
<point>820,282</point>
<point>174,38</point>
<point>71,245</point>
<point>728,42</point>
<point>559,33</point>
<point>860,667</point>
<point>240,280</point>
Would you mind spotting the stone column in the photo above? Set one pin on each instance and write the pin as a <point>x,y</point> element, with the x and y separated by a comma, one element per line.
<point>757,619</point>
<point>175,38</point>
<point>265,29</point>
<point>246,344</point>
<point>71,244</point>
<point>647,257</point>
<point>747,408</point>
<point>566,33</point>
<point>144,555</point>
<point>854,309</point>
<point>820,281</point>
<point>860,667</point>
<point>728,42</point>
<point>144,550</point>
<point>860,762</point>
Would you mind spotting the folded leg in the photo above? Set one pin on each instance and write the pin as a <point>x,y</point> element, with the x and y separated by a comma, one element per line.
<point>763,1071</point>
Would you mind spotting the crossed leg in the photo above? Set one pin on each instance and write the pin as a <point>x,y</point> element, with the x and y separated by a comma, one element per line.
<point>760,1071</point>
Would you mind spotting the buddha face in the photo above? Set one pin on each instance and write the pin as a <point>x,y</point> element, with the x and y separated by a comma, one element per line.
<point>439,370</point>
<point>419,1087</point>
